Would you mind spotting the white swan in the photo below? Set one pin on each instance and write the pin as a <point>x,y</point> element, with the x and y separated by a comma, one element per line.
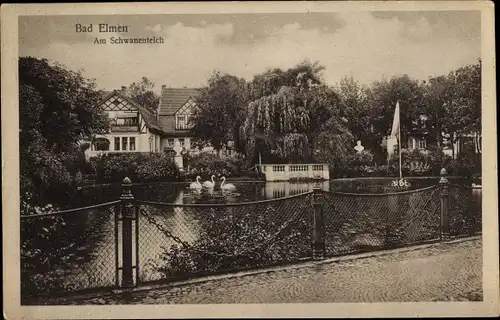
<point>196,185</point>
<point>208,183</point>
<point>228,186</point>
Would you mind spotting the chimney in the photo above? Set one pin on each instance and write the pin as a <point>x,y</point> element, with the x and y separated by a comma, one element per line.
<point>124,89</point>
<point>163,86</point>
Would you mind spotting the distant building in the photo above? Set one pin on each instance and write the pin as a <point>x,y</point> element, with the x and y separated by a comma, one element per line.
<point>420,141</point>
<point>470,142</point>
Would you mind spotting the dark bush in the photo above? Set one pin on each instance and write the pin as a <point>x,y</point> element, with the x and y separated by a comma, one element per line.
<point>466,164</point>
<point>54,181</point>
<point>207,164</point>
<point>138,167</point>
<point>233,239</point>
<point>52,246</point>
<point>355,164</point>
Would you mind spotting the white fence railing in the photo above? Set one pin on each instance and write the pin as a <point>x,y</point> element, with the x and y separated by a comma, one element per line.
<point>286,172</point>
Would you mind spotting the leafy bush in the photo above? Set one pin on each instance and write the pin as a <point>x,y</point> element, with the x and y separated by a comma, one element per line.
<point>414,163</point>
<point>207,164</point>
<point>53,245</point>
<point>467,164</point>
<point>138,167</point>
<point>232,239</point>
<point>54,181</point>
<point>355,164</point>
<point>420,163</point>
<point>156,167</point>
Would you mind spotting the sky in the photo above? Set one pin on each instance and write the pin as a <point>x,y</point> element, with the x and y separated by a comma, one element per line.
<point>369,46</point>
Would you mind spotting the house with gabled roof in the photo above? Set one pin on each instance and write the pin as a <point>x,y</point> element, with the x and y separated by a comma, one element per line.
<point>133,128</point>
<point>175,112</point>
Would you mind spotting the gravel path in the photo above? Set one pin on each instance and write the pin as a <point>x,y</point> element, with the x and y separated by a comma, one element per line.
<point>451,271</point>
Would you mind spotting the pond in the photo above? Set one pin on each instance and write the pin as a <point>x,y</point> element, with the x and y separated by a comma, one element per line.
<point>245,191</point>
<point>175,241</point>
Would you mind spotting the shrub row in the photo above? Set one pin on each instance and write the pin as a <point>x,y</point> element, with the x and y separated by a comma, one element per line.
<point>414,163</point>
<point>137,166</point>
<point>207,164</point>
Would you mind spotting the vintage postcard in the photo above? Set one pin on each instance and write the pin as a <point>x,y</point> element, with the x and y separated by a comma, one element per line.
<point>260,159</point>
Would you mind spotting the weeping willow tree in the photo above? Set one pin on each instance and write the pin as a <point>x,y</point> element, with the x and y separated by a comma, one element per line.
<point>290,124</point>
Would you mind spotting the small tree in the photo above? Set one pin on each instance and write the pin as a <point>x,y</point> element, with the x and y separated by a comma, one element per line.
<point>143,93</point>
<point>221,112</point>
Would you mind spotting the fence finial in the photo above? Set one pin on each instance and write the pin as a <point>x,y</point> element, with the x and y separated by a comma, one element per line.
<point>126,189</point>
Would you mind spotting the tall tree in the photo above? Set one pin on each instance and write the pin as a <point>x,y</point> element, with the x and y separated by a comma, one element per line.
<point>353,107</point>
<point>462,102</point>
<point>289,110</point>
<point>383,96</point>
<point>60,104</point>
<point>143,93</point>
<point>435,90</point>
<point>221,112</point>
<point>57,108</point>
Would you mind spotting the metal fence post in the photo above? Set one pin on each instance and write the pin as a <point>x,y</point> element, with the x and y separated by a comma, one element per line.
<point>318,244</point>
<point>444,193</point>
<point>127,210</point>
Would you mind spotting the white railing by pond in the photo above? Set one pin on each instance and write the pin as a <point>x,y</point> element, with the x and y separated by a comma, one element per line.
<point>286,172</point>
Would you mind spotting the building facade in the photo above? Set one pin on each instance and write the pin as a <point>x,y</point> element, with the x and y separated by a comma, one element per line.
<point>175,114</point>
<point>470,142</point>
<point>135,129</point>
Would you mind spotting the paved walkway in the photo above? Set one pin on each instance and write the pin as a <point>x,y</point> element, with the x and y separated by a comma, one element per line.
<point>451,271</point>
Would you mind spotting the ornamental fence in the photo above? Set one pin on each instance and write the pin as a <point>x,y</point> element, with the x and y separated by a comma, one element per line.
<point>128,242</point>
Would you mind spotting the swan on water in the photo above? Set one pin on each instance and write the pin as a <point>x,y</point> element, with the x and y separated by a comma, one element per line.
<point>196,185</point>
<point>208,183</point>
<point>228,186</point>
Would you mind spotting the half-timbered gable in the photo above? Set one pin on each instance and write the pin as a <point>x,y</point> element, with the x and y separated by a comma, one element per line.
<point>132,127</point>
<point>183,117</point>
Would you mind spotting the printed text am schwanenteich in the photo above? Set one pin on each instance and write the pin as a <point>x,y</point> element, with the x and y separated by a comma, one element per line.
<point>106,28</point>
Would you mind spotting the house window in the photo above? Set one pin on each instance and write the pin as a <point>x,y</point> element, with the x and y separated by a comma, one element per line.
<point>422,144</point>
<point>170,143</point>
<point>124,143</point>
<point>132,143</point>
<point>181,142</point>
<point>117,144</point>
<point>101,144</point>
<point>181,122</point>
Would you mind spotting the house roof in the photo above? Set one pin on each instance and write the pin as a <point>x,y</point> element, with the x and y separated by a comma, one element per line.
<point>172,99</point>
<point>149,118</point>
